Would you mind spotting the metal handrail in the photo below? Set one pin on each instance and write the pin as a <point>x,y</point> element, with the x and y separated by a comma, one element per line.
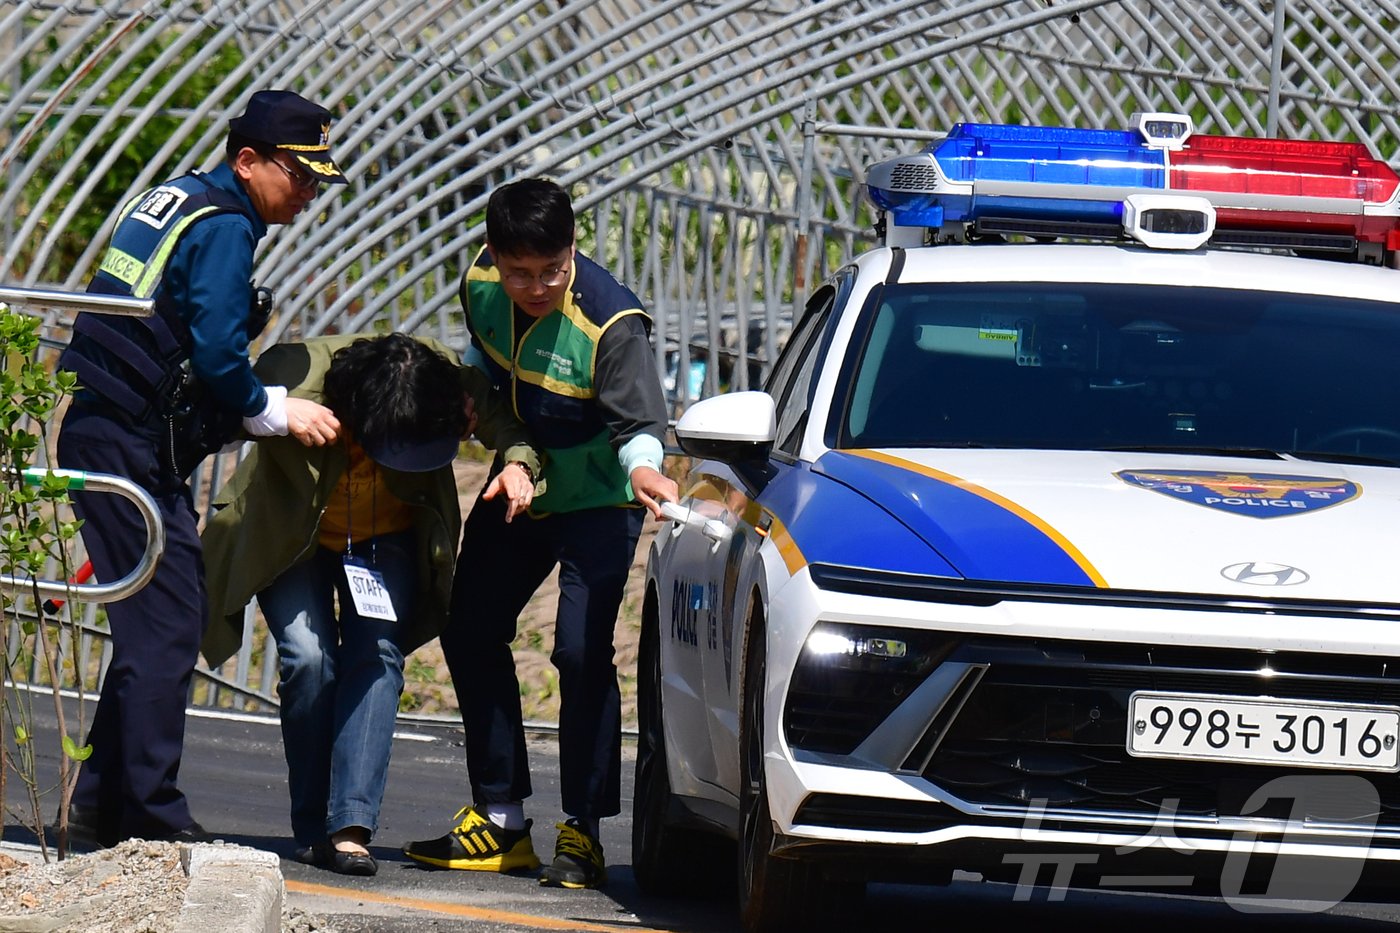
<point>138,577</point>
<point>51,299</point>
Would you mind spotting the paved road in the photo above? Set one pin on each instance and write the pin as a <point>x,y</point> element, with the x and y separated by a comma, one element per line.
<point>235,777</point>
<point>427,784</point>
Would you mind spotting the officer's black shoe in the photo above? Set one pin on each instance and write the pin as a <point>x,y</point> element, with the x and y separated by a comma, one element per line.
<point>191,833</point>
<point>82,825</point>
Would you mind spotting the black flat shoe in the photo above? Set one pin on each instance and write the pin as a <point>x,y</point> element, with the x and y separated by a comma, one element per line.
<point>314,855</point>
<point>353,863</point>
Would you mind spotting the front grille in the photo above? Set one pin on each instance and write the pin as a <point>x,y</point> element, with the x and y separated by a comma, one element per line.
<point>1048,722</point>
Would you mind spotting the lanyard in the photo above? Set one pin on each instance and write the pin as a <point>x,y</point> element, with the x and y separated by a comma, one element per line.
<point>366,586</point>
<point>350,510</point>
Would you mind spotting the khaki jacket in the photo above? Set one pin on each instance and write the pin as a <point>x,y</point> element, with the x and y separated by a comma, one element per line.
<point>269,512</point>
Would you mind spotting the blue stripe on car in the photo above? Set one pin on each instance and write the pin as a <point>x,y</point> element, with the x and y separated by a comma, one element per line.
<point>982,535</point>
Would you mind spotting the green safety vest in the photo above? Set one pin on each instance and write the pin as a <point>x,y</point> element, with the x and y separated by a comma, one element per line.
<point>548,372</point>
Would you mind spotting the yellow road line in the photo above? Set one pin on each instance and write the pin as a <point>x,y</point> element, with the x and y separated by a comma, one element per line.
<point>462,910</point>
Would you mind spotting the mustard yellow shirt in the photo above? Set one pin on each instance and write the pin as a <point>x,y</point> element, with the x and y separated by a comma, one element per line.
<point>361,506</point>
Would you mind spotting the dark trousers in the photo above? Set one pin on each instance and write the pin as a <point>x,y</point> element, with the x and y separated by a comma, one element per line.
<point>138,730</point>
<point>499,568</point>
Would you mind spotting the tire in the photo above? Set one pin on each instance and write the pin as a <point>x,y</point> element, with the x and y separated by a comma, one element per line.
<point>775,894</point>
<point>662,855</point>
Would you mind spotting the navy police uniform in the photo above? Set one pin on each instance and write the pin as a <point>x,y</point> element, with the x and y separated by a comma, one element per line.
<point>157,394</point>
<point>116,425</point>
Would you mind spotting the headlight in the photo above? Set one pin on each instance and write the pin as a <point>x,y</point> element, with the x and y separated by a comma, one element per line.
<point>849,678</point>
<point>827,642</point>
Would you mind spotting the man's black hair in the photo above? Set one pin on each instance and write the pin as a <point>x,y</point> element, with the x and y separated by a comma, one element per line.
<point>237,141</point>
<point>530,217</point>
<point>395,387</point>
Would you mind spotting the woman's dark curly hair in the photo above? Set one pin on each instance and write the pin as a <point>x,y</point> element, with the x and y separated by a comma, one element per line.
<point>395,386</point>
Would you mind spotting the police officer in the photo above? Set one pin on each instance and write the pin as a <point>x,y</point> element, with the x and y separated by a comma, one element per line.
<point>569,344</point>
<point>157,394</point>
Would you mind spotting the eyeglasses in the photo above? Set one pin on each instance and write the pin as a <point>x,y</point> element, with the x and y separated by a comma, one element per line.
<point>549,278</point>
<point>304,182</point>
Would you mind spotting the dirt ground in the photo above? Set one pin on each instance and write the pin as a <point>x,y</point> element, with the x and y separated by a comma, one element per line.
<point>428,687</point>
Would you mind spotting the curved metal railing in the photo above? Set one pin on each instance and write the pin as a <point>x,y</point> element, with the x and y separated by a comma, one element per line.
<point>40,300</point>
<point>121,588</point>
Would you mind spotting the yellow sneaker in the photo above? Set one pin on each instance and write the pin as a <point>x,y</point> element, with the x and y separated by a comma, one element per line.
<point>477,844</point>
<point>578,860</point>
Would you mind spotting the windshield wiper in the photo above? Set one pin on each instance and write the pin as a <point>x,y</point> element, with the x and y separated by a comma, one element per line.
<point>1260,453</point>
<point>1255,453</point>
<point>1330,456</point>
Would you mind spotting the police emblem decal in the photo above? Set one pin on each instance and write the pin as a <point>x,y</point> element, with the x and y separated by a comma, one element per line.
<point>1256,495</point>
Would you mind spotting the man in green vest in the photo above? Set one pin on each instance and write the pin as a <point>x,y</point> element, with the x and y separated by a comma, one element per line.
<point>570,346</point>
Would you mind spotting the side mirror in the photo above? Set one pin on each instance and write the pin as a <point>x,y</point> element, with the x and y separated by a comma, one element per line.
<point>732,428</point>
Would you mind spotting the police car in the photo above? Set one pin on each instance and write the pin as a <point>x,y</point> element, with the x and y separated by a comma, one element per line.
<point>1060,546</point>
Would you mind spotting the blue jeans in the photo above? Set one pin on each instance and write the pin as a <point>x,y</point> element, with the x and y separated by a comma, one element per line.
<point>340,684</point>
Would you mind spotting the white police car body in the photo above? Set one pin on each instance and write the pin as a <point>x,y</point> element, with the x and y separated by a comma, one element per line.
<point>1049,561</point>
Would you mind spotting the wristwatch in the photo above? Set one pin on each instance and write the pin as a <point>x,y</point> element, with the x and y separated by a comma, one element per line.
<point>529,473</point>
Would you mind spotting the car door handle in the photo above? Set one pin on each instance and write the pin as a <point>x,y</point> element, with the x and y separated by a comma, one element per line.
<point>712,528</point>
<point>679,514</point>
<point>716,530</point>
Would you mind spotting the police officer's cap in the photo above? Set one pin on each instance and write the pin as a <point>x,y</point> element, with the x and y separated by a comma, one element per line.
<point>293,124</point>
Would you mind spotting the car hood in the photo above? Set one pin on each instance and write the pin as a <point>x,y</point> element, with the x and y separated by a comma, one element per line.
<point>1141,521</point>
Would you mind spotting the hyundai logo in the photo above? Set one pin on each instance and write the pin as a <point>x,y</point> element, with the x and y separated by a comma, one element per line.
<point>1263,573</point>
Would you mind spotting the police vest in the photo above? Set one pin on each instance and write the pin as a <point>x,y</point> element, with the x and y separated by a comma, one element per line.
<point>134,364</point>
<point>548,371</point>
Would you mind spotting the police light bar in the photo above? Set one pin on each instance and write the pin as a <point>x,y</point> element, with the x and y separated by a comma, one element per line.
<point>988,178</point>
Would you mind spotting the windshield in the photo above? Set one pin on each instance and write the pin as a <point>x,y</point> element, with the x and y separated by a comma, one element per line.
<point>1082,366</point>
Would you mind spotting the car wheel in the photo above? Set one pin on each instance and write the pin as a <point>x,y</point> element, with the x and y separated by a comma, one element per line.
<point>661,853</point>
<point>774,893</point>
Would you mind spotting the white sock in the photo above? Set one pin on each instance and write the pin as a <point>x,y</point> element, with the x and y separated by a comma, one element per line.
<point>506,815</point>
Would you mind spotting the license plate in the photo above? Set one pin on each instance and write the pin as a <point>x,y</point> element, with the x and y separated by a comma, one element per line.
<point>1277,732</point>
